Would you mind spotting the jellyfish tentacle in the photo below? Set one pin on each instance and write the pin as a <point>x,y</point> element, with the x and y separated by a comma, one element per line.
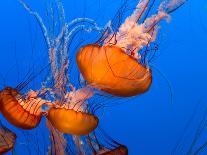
<point>39,20</point>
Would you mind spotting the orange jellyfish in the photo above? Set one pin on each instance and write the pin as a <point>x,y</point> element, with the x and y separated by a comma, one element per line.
<point>70,117</point>
<point>7,139</point>
<point>110,69</point>
<point>22,112</point>
<point>117,63</point>
<point>72,122</point>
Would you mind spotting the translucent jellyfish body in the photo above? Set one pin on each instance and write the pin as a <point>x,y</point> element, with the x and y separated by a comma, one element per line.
<point>22,112</point>
<point>72,122</point>
<point>70,117</point>
<point>110,69</point>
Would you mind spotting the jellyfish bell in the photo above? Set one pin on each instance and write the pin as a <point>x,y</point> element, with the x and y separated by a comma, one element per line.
<point>110,69</point>
<point>113,66</point>
<point>70,117</point>
<point>7,139</point>
<point>72,122</point>
<point>22,112</point>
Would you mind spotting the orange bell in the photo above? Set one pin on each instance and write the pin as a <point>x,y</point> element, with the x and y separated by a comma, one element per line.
<point>20,113</point>
<point>110,69</point>
<point>72,122</point>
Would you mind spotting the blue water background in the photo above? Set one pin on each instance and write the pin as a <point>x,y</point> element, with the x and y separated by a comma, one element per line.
<point>150,124</point>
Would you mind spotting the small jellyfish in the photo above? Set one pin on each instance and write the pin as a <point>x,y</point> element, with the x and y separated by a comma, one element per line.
<point>73,118</point>
<point>7,139</point>
<point>116,63</point>
<point>22,112</point>
<point>72,122</point>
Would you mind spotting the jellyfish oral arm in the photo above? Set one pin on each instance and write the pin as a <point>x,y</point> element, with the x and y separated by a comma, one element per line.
<point>132,36</point>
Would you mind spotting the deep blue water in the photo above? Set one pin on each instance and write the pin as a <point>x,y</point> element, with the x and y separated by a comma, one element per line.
<point>149,124</point>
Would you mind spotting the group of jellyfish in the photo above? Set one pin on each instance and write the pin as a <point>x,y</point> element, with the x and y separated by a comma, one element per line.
<point>116,64</point>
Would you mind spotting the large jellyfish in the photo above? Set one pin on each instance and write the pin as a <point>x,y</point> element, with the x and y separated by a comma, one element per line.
<point>113,63</point>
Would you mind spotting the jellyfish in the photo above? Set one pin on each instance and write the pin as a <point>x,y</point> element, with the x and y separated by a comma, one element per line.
<point>72,122</point>
<point>114,63</point>
<point>73,118</point>
<point>110,69</point>
<point>22,112</point>
<point>7,139</point>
